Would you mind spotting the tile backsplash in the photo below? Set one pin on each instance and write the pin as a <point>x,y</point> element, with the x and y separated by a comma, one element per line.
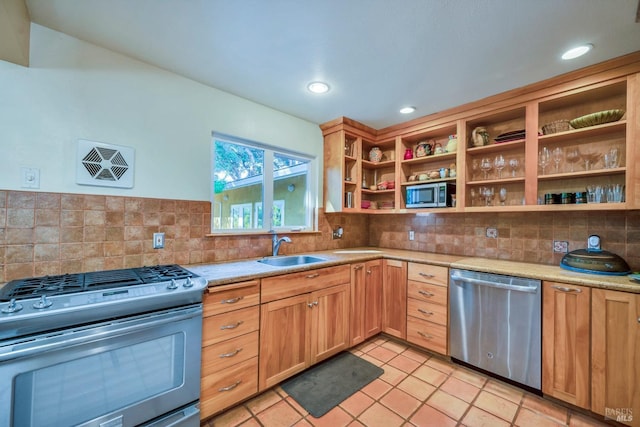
<point>54,233</point>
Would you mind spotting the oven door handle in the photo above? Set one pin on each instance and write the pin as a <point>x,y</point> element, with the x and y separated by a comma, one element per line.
<point>509,287</point>
<point>75,336</point>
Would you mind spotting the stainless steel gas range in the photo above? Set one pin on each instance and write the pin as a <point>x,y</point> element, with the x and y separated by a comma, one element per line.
<point>109,348</point>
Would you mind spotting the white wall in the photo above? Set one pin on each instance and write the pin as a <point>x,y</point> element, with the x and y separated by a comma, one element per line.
<point>75,90</point>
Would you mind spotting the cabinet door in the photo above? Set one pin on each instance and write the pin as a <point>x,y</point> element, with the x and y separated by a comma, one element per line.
<point>329,329</point>
<point>565,342</point>
<point>615,351</point>
<point>373,298</point>
<point>394,298</point>
<point>283,339</point>
<point>358,304</point>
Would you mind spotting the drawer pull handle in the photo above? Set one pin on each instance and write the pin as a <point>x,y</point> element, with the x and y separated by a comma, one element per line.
<point>425,293</point>
<point>423,311</point>
<point>425,336</point>
<point>311,304</point>
<point>230,387</point>
<point>368,271</point>
<point>358,267</point>
<point>565,289</point>
<point>231,300</point>
<point>232,326</point>
<point>427,275</point>
<point>233,353</point>
<point>312,276</point>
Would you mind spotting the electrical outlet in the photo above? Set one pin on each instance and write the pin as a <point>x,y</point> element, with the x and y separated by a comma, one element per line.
<point>492,232</point>
<point>561,246</point>
<point>30,177</point>
<point>412,235</point>
<point>158,240</point>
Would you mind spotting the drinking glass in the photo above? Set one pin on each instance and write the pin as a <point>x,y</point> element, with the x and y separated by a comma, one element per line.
<point>544,158</point>
<point>611,159</point>
<point>573,156</point>
<point>590,158</point>
<point>514,163</point>
<point>488,195</point>
<point>485,165</point>
<point>502,194</point>
<point>499,164</point>
<point>558,155</point>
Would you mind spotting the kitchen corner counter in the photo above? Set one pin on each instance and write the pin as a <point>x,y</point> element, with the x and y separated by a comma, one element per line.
<point>238,271</point>
<point>547,272</point>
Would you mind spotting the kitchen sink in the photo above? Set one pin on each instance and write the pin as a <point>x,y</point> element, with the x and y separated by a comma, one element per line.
<point>290,261</point>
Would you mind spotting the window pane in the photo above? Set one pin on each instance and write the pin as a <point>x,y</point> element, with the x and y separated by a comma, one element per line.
<point>238,186</point>
<point>290,180</point>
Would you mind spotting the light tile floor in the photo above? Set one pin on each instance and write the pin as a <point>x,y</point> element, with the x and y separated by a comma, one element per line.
<point>416,389</point>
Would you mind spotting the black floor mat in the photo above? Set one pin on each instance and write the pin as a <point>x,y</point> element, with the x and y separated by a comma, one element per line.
<point>325,386</point>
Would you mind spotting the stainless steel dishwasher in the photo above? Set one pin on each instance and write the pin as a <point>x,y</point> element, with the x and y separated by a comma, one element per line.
<point>495,324</point>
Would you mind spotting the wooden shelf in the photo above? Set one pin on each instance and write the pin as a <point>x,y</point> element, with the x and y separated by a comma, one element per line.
<point>591,173</point>
<point>429,159</point>
<point>378,165</point>
<point>497,181</point>
<point>575,134</point>
<point>499,146</point>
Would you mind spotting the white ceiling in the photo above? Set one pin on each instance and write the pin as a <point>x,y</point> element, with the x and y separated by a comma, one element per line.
<point>377,55</point>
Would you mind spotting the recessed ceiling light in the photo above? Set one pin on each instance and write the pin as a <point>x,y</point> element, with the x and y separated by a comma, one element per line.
<point>318,87</point>
<point>577,51</point>
<point>407,110</point>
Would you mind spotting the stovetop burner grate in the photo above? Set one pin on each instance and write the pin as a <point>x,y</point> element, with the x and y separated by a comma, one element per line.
<point>82,282</point>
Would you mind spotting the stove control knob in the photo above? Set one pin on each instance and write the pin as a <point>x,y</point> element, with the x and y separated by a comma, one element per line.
<point>172,285</point>
<point>43,302</point>
<point>188,283</point>
<point>12,307</point>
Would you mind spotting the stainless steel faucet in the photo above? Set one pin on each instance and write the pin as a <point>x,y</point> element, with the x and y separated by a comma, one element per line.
<point>275,243</point>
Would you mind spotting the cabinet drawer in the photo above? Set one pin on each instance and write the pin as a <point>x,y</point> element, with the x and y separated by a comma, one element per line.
<point>288,285</point>
<point>224,326</point>
<point>436,313</point>
<point>434,274</point>
<point>221,299</point>
<point>426,334</point>
<point>223,389</point>
<point>218,357</point>
<point>427,292</point>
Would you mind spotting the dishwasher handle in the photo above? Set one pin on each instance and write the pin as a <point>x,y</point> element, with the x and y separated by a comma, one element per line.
<point>532,289</point>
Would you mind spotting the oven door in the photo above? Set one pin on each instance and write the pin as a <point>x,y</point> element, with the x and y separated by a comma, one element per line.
<point>123,372</point>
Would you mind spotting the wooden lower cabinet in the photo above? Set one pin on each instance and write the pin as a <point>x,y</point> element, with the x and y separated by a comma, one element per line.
<point>301,330</point>
<point>230,340</point>
<point>366,300</point>
<point>615,355</point>
<point>566,342</point>
<point>394,298</point>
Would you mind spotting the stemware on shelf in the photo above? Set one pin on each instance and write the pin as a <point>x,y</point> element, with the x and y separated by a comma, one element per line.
<point>486,166</point>
<point>557,155</point>
<point>544,158</point>
<point>502,194</point>
<point>499,164</point>
<point>590,157</point>
<point>573,156</point>
<point>611,159</point>
<point>487,193</point>
<point>513,164</point>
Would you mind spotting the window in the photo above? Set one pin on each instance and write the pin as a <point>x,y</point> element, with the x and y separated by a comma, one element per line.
<point>248,176</point>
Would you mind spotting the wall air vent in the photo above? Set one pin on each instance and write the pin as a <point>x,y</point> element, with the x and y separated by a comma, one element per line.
<point>104,165</point>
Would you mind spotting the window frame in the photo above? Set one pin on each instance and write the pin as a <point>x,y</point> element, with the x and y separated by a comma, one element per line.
<point>310,197</point>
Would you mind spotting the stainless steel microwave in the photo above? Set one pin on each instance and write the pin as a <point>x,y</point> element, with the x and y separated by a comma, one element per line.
<point>432,195</point>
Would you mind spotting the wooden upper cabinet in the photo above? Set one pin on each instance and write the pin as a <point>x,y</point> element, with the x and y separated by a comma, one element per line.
<point>566,342</point>
<point>615,352</point>
<point>506,171</point>
<point>394,298</point>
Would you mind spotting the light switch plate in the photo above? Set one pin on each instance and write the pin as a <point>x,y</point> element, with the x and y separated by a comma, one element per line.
<point>158,240</point>
<point>561,246</point>
<point>492,232</point>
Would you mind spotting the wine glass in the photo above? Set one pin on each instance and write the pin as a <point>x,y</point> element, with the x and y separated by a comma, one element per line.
<point>499,164</point>
<point>502,194</point>
<point>474,168</point>
<point>544,158</point>
<point>557,154</point>
<point>488,195</point>
<point>485,166</point>
<point>513,164</point>
<point>590,158</point>
<point>573,156</point>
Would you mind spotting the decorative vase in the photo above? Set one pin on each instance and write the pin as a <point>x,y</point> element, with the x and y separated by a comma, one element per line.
<point>375,155</point>
<point>408,154</point>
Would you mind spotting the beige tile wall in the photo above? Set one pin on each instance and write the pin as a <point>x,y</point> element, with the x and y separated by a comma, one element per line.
<point>52,233</point>
<point>525,236</point>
